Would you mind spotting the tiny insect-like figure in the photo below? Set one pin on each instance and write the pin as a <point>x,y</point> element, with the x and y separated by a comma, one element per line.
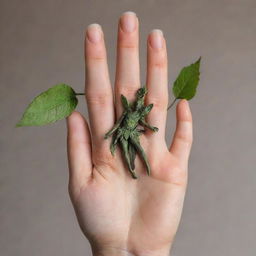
<point>126,132</point>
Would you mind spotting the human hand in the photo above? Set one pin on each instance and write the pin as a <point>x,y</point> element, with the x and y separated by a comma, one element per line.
<point>118,214</point>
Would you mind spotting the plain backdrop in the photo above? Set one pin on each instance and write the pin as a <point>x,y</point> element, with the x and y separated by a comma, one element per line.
<point>41,44</point>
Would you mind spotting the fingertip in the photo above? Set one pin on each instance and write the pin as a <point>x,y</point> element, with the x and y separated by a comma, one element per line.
<point>94,33</point>
<point>183,136</point>
<point>75,121</point>
<point>183,111</point>
<point>78,131</point>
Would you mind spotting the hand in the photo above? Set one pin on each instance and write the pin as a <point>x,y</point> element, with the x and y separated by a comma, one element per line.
<point>118,214</point>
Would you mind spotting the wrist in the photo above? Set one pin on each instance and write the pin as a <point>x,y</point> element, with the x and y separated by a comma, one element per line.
<point>114,251</point>
<point>111,252</point>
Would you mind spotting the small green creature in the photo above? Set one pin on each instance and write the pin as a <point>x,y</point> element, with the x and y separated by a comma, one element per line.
<point>126,131</point>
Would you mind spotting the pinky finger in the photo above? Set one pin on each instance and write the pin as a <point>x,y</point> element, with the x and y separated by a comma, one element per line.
<point>183,136</point>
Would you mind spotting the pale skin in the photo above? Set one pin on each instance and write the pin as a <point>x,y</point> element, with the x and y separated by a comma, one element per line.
<point>118,214</point>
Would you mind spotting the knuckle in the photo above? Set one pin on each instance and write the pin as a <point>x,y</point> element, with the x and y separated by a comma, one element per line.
<point>184,131</point>
<point>128,90</point>
<point>158,60</point>
<point>97,58</point>
<point>159,103</point>
<point>128,45</point>
<point>184,137</point>
<point>100,99</point>
<point>126,41</point>
<point>162,63</point>
<point>95,55</point>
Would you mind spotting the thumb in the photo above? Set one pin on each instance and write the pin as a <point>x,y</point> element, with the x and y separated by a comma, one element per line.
<point>183,135</point>
<point>79,151</point>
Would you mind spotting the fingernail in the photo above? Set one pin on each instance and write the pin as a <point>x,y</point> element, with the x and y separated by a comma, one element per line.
<point>94,33</point>
<point>156,39</point>
<point>128,21</point>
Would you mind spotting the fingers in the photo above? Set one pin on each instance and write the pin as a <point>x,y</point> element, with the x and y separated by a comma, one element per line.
<point>98,87</point>
<point>183,135</point>
<point>157,80</point>
<point>127,80</point>
<point>79,150</point>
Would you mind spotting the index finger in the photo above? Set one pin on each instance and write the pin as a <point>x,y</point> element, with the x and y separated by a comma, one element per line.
<point>98,89</point>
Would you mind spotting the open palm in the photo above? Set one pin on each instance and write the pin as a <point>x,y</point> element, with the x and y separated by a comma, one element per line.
<point>119,214</point>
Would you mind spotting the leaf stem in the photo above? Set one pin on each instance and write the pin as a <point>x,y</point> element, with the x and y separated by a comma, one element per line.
<point>80,93</point>
<point>172,104</point>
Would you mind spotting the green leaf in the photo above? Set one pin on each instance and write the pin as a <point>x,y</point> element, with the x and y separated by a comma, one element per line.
<point>50,106</point>
<point>186,83</point>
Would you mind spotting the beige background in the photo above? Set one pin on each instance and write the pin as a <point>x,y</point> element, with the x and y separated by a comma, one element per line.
<point>42,44</point>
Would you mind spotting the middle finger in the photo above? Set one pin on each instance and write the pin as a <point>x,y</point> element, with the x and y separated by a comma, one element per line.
<point>127,80</point>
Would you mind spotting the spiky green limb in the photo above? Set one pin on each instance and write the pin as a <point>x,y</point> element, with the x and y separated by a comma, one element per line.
<point>147,125</point>
<point>125,150</point>
<point>132,155</point>
<point>115,127</point>
<point>114,142</point>
<point>134,139</point>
